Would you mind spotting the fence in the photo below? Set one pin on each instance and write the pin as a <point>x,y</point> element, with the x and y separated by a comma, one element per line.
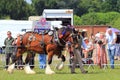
<point>55,60</point>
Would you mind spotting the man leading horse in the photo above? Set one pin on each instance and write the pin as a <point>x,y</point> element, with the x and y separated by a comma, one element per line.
<point>77,42</point>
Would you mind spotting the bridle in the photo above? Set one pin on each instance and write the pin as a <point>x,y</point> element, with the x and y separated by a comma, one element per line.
<point>62,40</point>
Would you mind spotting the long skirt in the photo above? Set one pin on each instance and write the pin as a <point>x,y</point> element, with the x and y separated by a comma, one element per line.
<point>101,56</point>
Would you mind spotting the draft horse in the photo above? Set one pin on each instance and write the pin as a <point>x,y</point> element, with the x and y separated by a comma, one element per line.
<point>32,41</point>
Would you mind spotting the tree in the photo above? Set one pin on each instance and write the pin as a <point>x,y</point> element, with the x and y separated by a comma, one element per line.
<point>89,19</point>
<point>77,20</point>
<point>116,22</point>
<point>15,9</point>
<point>97,18</point>
<point>110,5</point>
<point>39,6</point>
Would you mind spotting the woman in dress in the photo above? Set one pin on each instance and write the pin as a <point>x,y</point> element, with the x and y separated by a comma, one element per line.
<point>101,56</point>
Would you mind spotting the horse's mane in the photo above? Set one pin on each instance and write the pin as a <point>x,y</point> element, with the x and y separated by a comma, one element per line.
<point>66,28</point>
<point>35,33</point>
<point>32,32</point>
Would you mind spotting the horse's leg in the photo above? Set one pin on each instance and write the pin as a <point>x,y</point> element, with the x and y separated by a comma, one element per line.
<point>61,65</point>
<point>48,69</point>
<point>63,58</point>
<point>27,68</point>
<point>12,66</point>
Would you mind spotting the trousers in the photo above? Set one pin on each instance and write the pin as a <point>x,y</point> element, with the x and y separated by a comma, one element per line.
<point>77,58</point>
<point>111,53</point>
<point>42,61</point>
<point>8,56</point>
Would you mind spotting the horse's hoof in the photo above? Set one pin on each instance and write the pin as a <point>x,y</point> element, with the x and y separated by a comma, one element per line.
<point>10,71</point>
<point>60,66</point>
<point>48,70</point>
<point>28,70</point>
<point>52,72</point>
<point>31,73</point>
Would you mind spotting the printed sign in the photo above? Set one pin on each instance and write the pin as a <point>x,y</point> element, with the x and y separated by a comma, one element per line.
<point>41,25</point>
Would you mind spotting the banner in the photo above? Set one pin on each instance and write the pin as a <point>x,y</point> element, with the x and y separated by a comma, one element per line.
<point>41,25</point>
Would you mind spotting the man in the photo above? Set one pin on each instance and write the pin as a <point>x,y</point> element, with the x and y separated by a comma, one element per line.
<point>77,53</point>
<point>42,61</point>
<point>111,40</point>
<point>8,48</point>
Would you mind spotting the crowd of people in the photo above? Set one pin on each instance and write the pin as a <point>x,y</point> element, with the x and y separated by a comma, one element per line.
<point>95,47</point>
<point>101,47</point>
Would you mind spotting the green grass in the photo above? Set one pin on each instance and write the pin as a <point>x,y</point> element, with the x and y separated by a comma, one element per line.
<point>93,74</point>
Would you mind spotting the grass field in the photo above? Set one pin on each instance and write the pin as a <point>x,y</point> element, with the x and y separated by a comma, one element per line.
<point>93,74</point>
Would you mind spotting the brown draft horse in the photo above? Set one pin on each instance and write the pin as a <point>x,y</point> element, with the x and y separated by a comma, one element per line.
<point>32,41</point>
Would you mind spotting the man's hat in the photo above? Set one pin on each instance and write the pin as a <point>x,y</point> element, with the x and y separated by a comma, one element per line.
<point>86,38</point>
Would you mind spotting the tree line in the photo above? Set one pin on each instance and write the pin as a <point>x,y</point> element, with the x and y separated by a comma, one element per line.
<point>86,12</point>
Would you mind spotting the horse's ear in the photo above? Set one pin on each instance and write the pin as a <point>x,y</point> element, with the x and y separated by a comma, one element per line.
<point>55,28</point>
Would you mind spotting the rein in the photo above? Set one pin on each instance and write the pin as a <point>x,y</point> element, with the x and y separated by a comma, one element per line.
<point>61,39</point>
<point>58,40</point>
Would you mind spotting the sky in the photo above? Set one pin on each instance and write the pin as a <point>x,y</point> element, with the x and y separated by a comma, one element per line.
<point>29,1</point>
<point>14,26</point>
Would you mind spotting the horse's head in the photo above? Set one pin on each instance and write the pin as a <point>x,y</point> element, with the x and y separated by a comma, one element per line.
<point>74,36</point>
<point>65,32</point>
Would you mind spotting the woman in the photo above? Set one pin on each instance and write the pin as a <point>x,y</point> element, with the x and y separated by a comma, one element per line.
<point>90,48</point>
<point>101,56</point>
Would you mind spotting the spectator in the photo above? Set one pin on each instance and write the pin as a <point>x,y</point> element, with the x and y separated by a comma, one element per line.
<point>101,56</point>
<point>42,61</point>
<point>0,50</point>
<point>117,50</point>
<point>19,63</point>
<point>89,46</point>
<point>111,40</point>
<point>84,33</point>
<point>92,38</point>
<point>8,48</point>
<point>97,35</point>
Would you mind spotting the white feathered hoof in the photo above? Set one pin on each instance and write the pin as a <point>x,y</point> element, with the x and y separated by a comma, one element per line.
<point>28,70</point>
<point>11,68</point>
<point>60,66</point>
<point>48,70</point>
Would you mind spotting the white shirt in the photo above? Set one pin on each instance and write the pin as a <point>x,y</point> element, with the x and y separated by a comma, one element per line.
<point>110,39</point>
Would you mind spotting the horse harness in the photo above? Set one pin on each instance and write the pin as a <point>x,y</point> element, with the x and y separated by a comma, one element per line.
<point>54,39</point>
